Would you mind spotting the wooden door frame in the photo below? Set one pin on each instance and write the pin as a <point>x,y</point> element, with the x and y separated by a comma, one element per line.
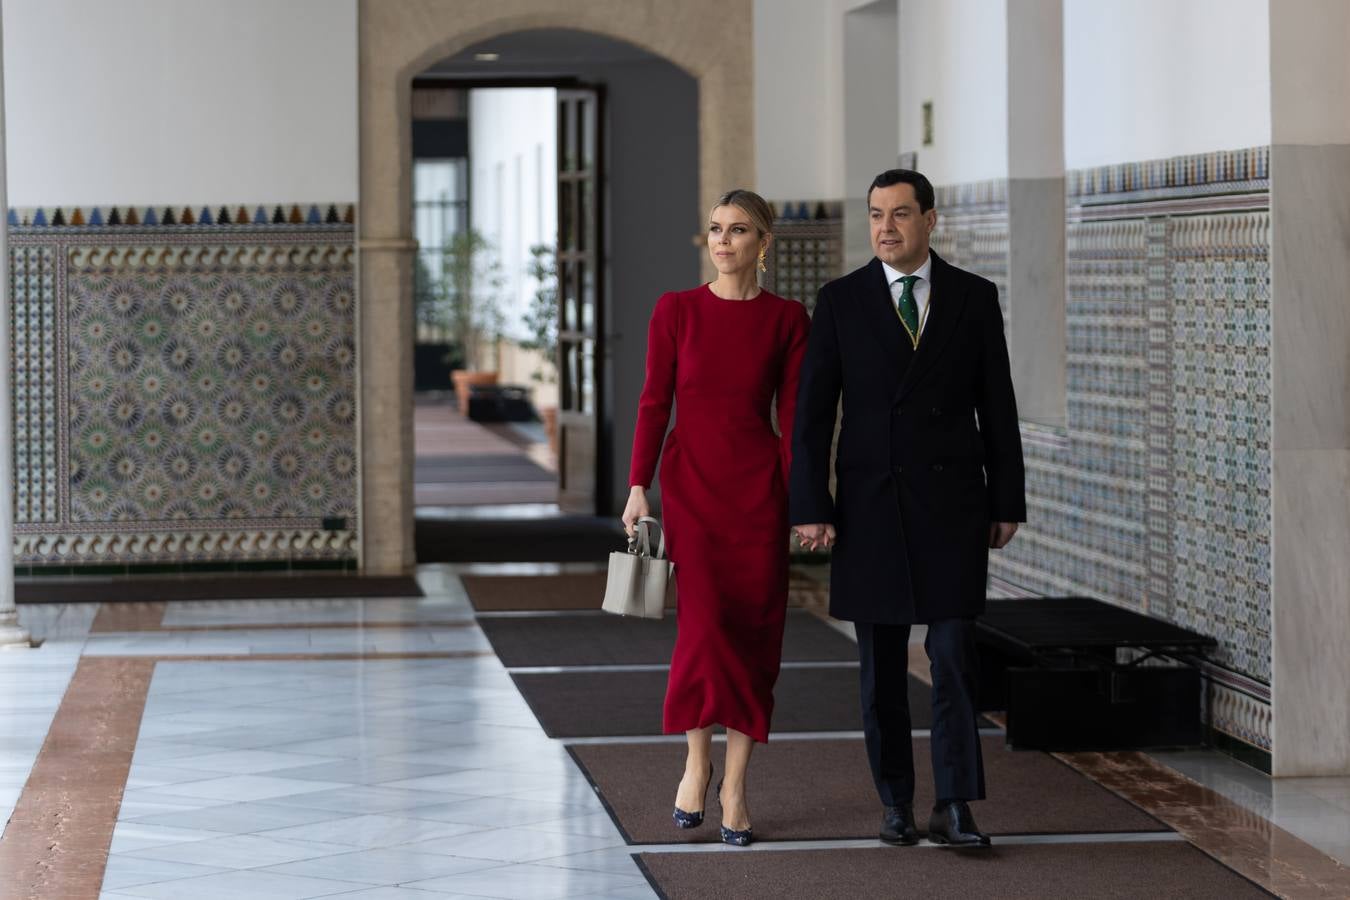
<point>599,499</point>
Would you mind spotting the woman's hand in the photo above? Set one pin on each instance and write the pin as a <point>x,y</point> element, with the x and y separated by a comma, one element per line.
<point>637,508</point>
<point>817,536</point>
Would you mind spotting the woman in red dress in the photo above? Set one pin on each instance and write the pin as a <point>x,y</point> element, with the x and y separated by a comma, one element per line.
<point>721,352</point>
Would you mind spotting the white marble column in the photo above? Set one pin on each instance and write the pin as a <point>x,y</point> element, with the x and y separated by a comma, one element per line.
<point>11,635</point>
<point>1036,244</point>
<point>1310,358</point>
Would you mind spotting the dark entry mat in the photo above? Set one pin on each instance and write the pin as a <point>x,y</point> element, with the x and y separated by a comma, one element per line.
<point>822,790</point>
<point>586,590</point>
<point>599,639</point>
<point>479,468</point>
<point>622,704</point>
<point>1102,871</point>
<point>213,586</point>
<point>561,539</point>
<point>573,591</point>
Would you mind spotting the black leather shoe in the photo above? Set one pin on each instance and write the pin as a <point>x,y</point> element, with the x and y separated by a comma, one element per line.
<point>952,824</point>
<point>898,826</point>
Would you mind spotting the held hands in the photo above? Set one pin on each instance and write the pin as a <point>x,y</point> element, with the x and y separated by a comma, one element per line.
<point>636,508</point>
<point>813,537</point>
<point>1000,533</point>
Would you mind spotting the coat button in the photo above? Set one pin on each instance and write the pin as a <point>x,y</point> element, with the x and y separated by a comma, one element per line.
<point>937,467</point>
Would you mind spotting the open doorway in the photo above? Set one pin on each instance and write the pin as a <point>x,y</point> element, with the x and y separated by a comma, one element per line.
<point>581,179</point>
<point>484,208</point>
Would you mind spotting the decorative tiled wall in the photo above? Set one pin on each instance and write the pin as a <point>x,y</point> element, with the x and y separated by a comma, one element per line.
<point>185,384</point>
<point>1157,495</point>
<point>977,231</point>
<point>807,250</point>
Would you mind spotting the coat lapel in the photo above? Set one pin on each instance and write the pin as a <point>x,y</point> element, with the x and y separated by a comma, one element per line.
<point>880,316</point>
<point>946,301</point>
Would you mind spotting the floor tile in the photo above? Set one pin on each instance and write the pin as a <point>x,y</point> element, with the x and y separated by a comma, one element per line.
<point>243,788</point>
<point>127,871</point>
<point>154,776</point>
<point>371,831</point>
<point>487,782</point>
<point>366,770</point>
<point>384,866</point>
<point>594,825</point>
<point>236,818</point>
<point>251,762</point>
<point>515,844</point>
<point>131,836</point>
<point>241,851</point>
<point>533,881</point>
<point>248,885</point>
<point>367,799</point>
<point>641,891</point>
<point>498,813</point>
<point>402,893</point>
<point>614,860</point>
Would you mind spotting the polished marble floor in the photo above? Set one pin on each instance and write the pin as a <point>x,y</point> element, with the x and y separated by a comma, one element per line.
<point>404,765</point>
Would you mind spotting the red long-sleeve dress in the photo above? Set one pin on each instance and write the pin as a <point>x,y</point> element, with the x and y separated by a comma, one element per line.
<point>723,494</point>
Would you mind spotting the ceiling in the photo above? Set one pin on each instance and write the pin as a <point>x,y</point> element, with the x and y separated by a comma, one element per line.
<point>538,52</point>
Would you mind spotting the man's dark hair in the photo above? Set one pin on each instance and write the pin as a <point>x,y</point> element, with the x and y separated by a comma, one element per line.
<point>923,189</point>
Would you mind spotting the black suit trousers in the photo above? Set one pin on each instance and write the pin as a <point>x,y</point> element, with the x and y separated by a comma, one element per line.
<point>958,766</point>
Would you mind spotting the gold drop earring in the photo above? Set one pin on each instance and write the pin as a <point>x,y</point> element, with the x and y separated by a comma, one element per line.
<point>762,267</point>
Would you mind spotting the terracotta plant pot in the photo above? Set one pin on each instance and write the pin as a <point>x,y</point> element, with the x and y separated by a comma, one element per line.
<point>550,416</point>
<point>463,380</point>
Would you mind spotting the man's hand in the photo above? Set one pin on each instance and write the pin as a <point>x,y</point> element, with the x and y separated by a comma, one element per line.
<point>1000,533</point>
<point>813,537</point>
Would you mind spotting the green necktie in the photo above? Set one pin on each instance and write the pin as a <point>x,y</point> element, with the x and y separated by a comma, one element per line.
<point>908,309</point>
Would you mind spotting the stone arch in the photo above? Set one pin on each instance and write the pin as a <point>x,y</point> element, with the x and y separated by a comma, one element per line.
<point>709,39</point>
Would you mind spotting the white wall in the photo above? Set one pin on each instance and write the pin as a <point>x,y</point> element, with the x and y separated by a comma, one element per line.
<point>871,109</point>
<point>954,53</point>
<point>1146,79</point>
<point>513,164</point>
<point>799,94</point>
<point>180,101</point>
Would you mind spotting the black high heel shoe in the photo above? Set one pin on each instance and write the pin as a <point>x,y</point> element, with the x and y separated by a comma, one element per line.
<point>693,819</point>
<point>730,835</point>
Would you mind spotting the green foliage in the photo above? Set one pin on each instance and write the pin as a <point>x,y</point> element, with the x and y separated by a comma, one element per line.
<point>542,316</point>
<point>468,304</point>
<point>425,294</point>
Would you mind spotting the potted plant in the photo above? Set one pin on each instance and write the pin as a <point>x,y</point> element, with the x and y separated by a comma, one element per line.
<point>469,307</point>
<point>542,320</point>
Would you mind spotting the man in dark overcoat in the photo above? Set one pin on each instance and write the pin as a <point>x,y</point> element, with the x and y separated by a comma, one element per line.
<point>929,478</point>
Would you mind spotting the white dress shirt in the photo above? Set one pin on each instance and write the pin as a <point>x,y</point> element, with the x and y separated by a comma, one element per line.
<point>922,287</point>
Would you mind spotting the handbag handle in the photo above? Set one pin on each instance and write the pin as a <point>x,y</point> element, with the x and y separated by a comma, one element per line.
<point>642,535</point>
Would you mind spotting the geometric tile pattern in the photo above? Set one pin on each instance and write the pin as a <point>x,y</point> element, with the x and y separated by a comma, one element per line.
<point>210,383</point>
<point>805,252</point>
<point>183,393</point>
<point>978,234</point>
<point>150,216</point>
<point>1156,496</point>
<point>1245,170</point>
<point>1221,384</point>
<point>36,429</point>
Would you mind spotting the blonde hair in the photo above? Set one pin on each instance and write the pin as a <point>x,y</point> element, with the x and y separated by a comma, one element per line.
<point>755,206</point>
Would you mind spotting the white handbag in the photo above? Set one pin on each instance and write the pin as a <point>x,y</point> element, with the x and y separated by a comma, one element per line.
<point>637,579</point>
